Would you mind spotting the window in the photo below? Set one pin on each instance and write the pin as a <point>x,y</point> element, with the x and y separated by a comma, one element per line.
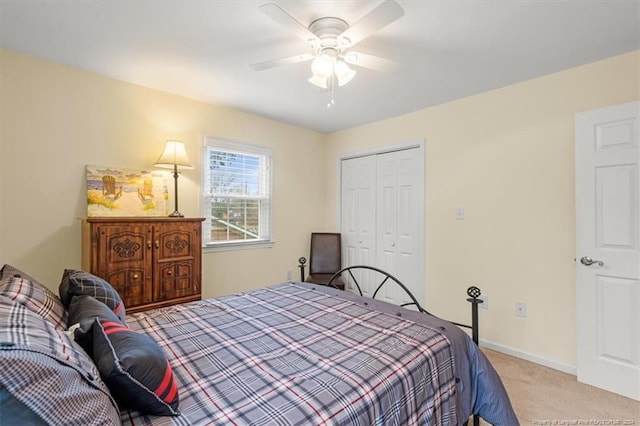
<point>236,194</point>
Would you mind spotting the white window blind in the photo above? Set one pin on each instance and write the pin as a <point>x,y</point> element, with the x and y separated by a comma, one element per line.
<point>237,194</point>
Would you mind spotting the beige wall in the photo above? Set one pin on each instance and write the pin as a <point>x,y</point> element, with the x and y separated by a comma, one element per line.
<point>56,120</point>
<point>507,157</point>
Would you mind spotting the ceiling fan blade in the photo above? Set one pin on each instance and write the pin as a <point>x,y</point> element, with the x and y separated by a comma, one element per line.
<point>366,60</point>
<point>279,15</point>
<point>386,12</point>
<point>281,61</point>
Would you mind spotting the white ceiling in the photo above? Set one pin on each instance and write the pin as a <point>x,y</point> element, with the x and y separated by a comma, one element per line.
<point>443,50</point>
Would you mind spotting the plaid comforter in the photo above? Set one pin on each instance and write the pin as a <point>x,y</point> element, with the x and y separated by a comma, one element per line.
<point>291,355</point>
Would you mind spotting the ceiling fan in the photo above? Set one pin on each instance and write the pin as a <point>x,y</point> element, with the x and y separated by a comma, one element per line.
<point>331,40</point>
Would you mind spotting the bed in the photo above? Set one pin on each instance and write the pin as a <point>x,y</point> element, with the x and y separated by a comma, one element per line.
<point>289,353</point>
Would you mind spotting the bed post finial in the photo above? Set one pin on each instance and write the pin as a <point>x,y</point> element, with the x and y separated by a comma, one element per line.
<point>301,265</point>
<point>474,292</point>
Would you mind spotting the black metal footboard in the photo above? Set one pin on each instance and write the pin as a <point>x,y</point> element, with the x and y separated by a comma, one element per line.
<point>473,293</point>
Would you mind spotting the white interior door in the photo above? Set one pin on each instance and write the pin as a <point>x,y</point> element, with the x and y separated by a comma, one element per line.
<point>358,220</point>
<point>608,256</point>
<point>382,220</point>
<point>400,221</point>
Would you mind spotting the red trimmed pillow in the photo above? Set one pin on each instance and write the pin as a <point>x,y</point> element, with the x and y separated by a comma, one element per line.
<point>83,310</point>
<point>21,288</point>
<point>134,368</point>
<point>77,283</point>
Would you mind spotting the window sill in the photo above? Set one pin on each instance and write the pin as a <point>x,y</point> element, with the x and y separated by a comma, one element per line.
<point>212,248</point>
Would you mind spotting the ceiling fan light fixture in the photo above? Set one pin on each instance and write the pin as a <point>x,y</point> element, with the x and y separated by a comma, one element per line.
<point>319,81</point>
<point>343,73</point>
<point>322,66</point>
<point>330,37</point>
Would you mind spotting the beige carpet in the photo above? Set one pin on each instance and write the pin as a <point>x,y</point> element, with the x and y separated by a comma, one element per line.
<point>543,396</point>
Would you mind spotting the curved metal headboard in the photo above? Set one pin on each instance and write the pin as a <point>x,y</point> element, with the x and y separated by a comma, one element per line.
<point>386,277</point>
<point>473,292</point>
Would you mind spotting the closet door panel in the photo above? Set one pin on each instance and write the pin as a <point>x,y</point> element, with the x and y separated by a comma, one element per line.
<point>382,214</point>
<point>358,215</point>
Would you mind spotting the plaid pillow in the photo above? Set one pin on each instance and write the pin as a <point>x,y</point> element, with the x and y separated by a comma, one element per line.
<point>23,289</point>
<point>77,283</point>
<point>48,372</point>
<point>134,367</point>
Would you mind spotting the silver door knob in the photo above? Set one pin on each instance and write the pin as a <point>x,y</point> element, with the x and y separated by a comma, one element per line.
<point>586,260</point>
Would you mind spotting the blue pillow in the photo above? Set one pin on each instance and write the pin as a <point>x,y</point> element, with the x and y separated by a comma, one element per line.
<point>83,310</point>
<point>134,368</point>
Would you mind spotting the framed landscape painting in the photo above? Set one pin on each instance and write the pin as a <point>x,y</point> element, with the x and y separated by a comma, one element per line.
<point>116,191</point>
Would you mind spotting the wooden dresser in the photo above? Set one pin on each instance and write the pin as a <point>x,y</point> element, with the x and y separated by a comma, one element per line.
<point>151,262</point>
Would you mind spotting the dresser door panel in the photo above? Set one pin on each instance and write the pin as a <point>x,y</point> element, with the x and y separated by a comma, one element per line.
<point>177,260</point>
<point>132,284</point>
<point>176,280</point>
<point>124,256</point>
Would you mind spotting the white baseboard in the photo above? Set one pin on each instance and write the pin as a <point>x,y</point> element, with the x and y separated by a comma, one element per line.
<point>565,368</point>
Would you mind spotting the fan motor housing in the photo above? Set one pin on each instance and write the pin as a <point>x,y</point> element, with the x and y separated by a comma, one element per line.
<point>328,29</point>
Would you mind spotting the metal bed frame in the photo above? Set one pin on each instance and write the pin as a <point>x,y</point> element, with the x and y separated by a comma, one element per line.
<point>473,292</point>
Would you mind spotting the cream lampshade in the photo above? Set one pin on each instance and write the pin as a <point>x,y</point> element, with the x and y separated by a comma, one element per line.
<point>174,157</point>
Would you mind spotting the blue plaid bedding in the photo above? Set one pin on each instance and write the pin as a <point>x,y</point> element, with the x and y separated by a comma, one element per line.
<point>296,354</point>
<point>47,376</point>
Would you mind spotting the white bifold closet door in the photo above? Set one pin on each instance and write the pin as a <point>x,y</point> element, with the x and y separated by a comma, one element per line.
<point>382,219</point>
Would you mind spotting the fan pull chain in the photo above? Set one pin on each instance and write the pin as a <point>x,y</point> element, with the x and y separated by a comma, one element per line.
<point>331,83</point>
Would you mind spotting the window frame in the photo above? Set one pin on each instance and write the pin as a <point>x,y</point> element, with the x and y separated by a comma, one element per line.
<point>212,142</point>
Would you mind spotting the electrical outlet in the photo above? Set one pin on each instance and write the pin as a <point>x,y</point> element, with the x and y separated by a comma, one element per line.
<point>485,301</point>
<point>521,309</point>
<point>289,275</point>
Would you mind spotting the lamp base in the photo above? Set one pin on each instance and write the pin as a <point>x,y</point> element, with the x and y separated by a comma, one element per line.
<point>176,214</point>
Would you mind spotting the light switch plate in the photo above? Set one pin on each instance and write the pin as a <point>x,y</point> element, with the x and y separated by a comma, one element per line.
<point>485,301</point>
